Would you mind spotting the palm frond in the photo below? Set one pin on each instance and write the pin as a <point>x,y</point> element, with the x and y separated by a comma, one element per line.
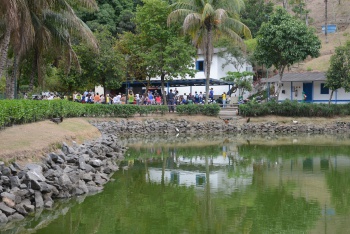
<point>178,15</point>
<point>192,21</point>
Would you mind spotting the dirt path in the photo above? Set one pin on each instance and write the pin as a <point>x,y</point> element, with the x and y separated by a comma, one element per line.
<point>31,141</point>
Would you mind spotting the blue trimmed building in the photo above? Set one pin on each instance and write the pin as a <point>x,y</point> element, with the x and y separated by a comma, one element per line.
<point>311,83</point>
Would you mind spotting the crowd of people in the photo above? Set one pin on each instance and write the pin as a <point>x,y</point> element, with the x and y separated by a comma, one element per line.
<point>149,98</point>
<point>152,97</point>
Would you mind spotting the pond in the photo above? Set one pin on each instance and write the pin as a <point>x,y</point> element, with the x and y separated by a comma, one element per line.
<point>221,184</point>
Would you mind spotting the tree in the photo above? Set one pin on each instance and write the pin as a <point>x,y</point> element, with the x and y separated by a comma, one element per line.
<point>231,53</point>
<point>255,13</point>
<point>242,81</point>
<point>206,21</point>
<point>115,15</point>
<point>106,68</point>
<point>165,54</point>
<point>43,26</point>
<point>338,74</point>
<point>284,41</point>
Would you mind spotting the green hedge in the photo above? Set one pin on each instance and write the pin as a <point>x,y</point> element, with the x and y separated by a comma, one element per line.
<point>191,109</point>
<point>293,109</point>
<point>26,111</point>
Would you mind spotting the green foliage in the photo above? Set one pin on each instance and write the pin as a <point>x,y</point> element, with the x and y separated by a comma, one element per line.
<point>255,13</point>
<point>106,68</point>
<point>208,109</point>
<point>115,15</point>
<point>294,109</point>
<point>27,111</point>
<point>338,74</point>
<point>284,40</point>
<point>242,80</point>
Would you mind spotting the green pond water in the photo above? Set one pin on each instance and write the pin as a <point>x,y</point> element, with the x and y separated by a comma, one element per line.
<point>221,184</point>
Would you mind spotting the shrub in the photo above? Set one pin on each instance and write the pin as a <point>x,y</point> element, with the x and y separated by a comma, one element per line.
<point>293,108</point>
<point>209,109</point>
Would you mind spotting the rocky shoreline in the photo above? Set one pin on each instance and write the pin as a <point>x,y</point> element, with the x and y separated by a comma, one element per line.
<point>72,171</point>
<point>82,169</point>
<point>216,126</point>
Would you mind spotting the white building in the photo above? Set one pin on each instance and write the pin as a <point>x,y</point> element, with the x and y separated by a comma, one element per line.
<point>190,85</point>
<point>311,83</point>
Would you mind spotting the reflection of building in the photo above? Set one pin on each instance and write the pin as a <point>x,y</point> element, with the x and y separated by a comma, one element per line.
<point>222,177</point>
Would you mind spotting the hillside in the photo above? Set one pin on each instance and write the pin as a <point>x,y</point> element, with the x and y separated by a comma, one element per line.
<point>339,14</point>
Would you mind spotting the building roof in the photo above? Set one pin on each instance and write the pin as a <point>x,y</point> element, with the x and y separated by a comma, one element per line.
<point>181,82</point>
<point>291,77</point>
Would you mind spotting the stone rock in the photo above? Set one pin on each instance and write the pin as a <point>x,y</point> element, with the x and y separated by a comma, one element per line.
<point>14,181</point>
<point>39,202</point>
<point>8,202</point>
<point>16,217</point>
<point>20,209</point>
<point>35,176</point>
<point>81,162</point>
<point>34,167</point>
<point>48,204</point>
<point>82,186</point>
<point>5,209</point>
<point>3,218</point>
<point>87,177</point>
<point>13,169</point>
<point>56,158</point>
<point>6,171</point>
<point>89,168</point>
<point>29,208</point>
<point>95,162</point>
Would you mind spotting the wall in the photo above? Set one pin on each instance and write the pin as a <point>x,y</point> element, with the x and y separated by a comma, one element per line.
<point>339,96</point>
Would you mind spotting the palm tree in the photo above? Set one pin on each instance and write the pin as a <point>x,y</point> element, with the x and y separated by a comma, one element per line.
<point>53,32</point>
<point>45,25</point>
<point>208,20</point>
<point>14,16</point>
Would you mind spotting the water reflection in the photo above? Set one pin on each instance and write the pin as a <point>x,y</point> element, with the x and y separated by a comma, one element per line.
<point>221,184</point>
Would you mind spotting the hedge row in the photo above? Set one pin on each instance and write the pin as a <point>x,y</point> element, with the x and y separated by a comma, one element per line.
<point>294,109</point>
<point>211,109</point>
<point>26,111</point>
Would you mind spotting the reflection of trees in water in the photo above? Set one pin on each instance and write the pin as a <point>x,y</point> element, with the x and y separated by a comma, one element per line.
<point>339,186</point>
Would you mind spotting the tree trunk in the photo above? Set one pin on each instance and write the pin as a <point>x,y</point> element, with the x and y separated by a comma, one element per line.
<point>208,58</point>
<point>279,84</point>
<point>162,79</point>
<point>4,48</point>
<point>11,80</point>
<point>330,98</point>
<point>326,18</point>
<point>34,69</point>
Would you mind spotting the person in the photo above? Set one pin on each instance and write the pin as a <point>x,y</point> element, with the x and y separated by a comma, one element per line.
<point>200,97</point>
<point>131,98</point>
<point>102,99</point>
<point>304,97</point>
<point>108,99</point>
<point>211,94</point>
<point>137,96</point>
<point>158,100</point>
<point>97,98</point>
<point>116,99</point>
<point>196,97</point>
<point>170,99</point>
<point>123,99</point>
<point>151,100</point>
<point>223,100</point>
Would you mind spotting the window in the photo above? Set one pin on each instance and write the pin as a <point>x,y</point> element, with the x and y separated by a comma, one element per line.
<point>200,66</point>
<point>249,68</point>
<point>324,90</point>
